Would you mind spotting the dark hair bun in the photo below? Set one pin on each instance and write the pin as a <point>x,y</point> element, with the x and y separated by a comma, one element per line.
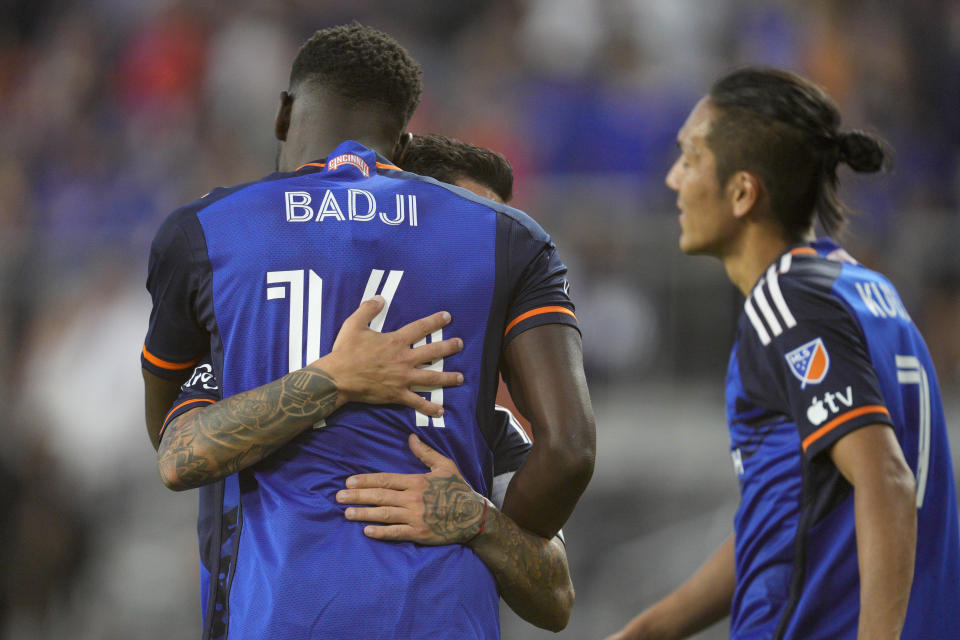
<point>863,152</point>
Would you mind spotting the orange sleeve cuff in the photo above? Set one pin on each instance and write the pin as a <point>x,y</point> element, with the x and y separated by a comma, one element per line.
<point>163,364</point>
<point>537,312</point>
<point>841,419</point>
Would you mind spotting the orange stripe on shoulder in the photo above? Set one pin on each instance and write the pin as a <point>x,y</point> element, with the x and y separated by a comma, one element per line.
<point>537,312</point>
<point>185,402</point>
<point>383,165</point>
<point>839,420</point>
<point>163,364</point>
<point>803,251</point>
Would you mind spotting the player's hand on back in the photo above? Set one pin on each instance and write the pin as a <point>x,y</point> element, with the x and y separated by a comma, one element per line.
<point>382,368</point>
<point>432,508</point>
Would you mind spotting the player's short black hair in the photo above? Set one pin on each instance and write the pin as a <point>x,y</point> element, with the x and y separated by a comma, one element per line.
<point>364,65</point>
<point>785,129</point>
<point>449,159</point>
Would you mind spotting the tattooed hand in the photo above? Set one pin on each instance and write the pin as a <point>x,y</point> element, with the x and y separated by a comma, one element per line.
<point>440,508</point>
<point>433,508</point>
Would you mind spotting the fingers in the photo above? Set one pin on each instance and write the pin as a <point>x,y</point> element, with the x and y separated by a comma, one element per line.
<point>428,353</point>
<point>402,532</point>
<point>428,380</point>
<point>427,454</point>
<point>377,497</point>
<point>423,327</point>
<point>394,481</point>
<point>386,515</point>
<point>421,404</point>
<point>365,313</point>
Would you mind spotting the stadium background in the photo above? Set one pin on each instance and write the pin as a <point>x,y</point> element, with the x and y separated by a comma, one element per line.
<point>112,112</point>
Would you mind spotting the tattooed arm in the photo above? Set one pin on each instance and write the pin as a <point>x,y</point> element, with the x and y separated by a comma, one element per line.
<point>206,444</point>
<point>531,572</point>
<point>209,443</point>
<point>439,507</point>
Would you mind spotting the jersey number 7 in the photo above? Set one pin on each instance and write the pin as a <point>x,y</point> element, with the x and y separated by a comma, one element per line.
<point>306,286</point>
<point>910,371</point>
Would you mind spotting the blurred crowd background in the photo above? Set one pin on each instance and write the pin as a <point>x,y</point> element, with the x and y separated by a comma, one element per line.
<point>114,112</point>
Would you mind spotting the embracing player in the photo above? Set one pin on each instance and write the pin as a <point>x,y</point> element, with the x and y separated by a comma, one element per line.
<point>531,572</point>
<point>260,276</point>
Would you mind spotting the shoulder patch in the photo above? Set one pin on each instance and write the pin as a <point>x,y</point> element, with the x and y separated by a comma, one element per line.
<point>809,363</point>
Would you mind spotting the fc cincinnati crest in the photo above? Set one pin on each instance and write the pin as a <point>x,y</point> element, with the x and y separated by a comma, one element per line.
<point>809,363</point>
<point>351,159</point>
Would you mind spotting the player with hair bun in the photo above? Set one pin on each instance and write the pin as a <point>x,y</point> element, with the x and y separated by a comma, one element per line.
<point>847,525</point>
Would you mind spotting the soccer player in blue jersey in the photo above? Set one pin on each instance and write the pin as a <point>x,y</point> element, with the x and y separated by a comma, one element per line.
<point>261,275</point>
<point>847,525</point>
<point>532,573</point>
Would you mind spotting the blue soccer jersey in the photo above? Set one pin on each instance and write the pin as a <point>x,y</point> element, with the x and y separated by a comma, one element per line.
<point>261,277</point>
<point>217,532</point>
<point>825,347</point>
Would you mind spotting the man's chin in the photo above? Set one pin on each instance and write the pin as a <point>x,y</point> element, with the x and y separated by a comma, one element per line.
<point>687,246</point>
<point>690,248</point>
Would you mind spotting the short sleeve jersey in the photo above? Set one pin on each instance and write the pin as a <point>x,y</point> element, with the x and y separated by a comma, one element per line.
<point>825,347</point>
<point>261,276</point>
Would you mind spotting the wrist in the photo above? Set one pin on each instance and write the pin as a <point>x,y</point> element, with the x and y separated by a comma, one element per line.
<point>484,528</point>
<point>334,368</point>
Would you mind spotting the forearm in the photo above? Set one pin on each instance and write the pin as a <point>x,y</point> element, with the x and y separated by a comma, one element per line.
<point>886,522</point>
<point>206,444</point>
<point>546,488</point>
<point>701,601</point>
<point>884,495</point>
<point>531,571</point>
<point>545,375</point>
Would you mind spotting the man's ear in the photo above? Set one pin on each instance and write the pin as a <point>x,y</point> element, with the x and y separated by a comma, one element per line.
<point>282,123</point>
<point>744,191</point>
<point>400,149</point>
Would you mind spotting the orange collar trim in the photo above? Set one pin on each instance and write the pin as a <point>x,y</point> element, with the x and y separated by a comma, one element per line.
<point>380,165</point>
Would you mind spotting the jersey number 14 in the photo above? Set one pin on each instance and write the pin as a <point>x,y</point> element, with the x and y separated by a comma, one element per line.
<point>306,290</point>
